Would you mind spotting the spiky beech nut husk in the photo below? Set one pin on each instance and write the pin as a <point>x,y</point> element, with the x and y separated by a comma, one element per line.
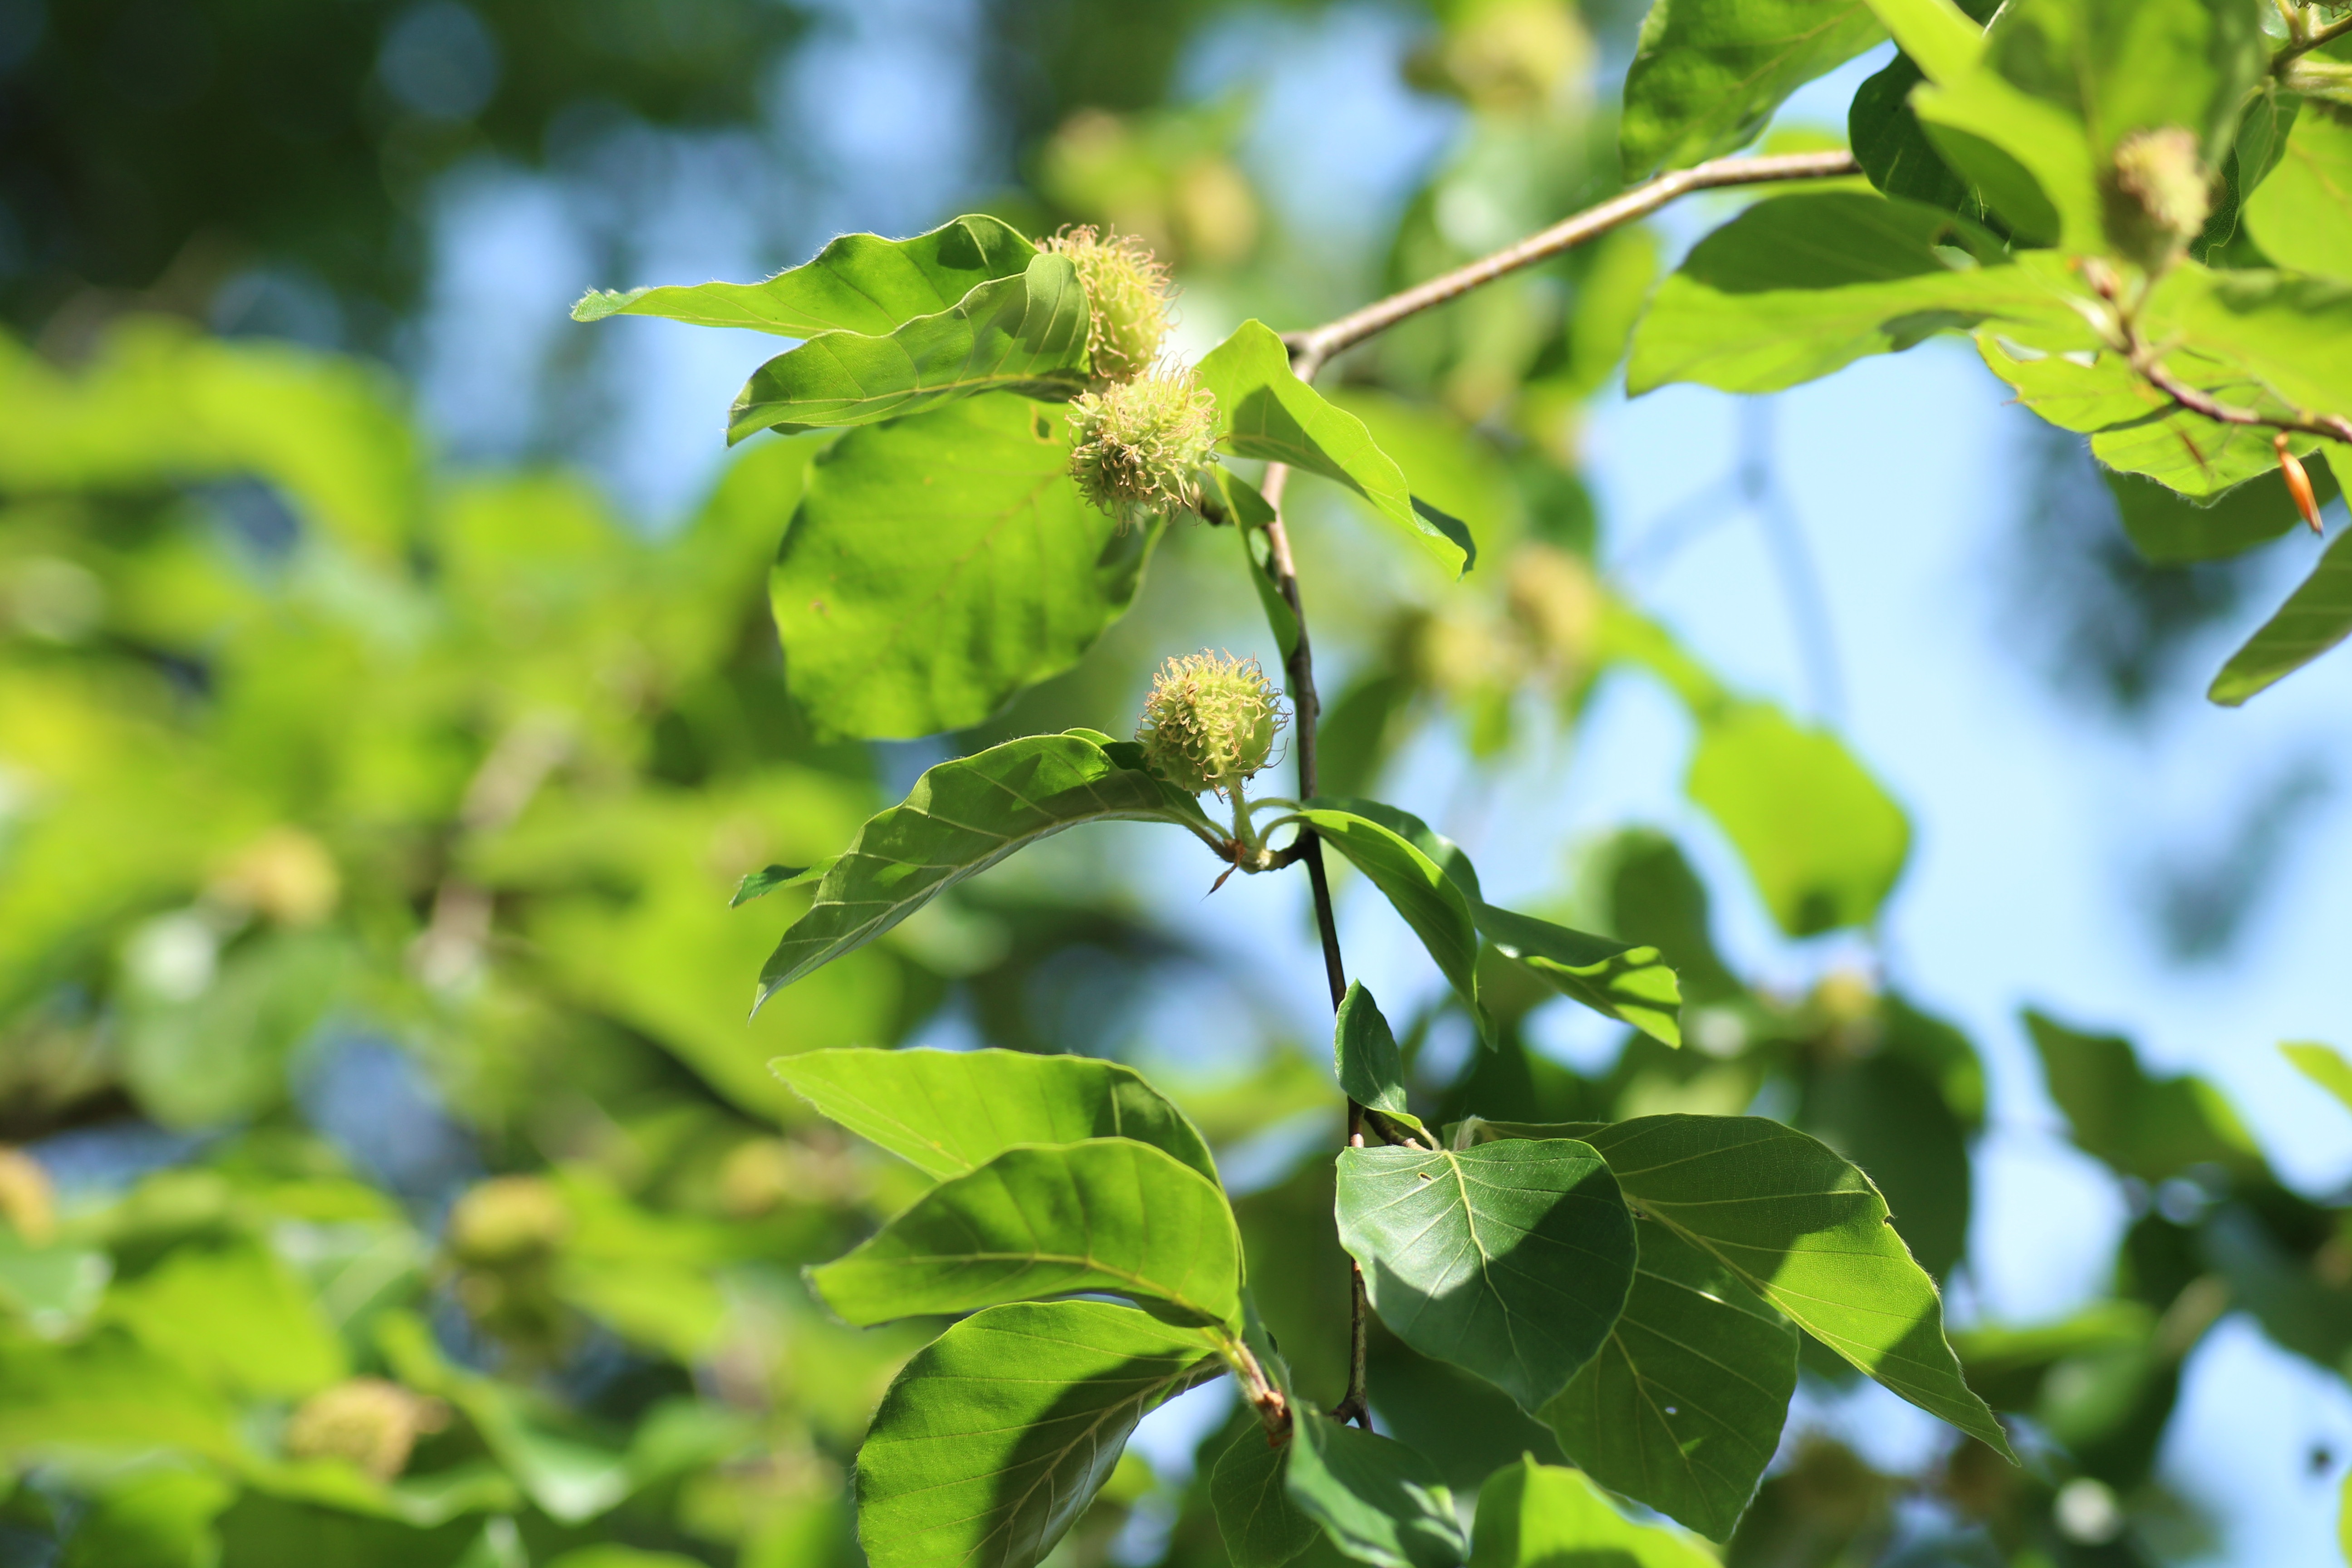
<point>365,1421</point>
<point>1128,295</point>
<point>508,1219</point>
<point>1140,445</point>
<point>1210,723</point>
<point>2161,191</point>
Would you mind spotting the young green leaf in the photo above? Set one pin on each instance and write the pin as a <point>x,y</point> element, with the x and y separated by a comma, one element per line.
<point>1261,1526</point>
<point>1619,980</point>
<point>1707,74</point>
<point>952,1111</point>
<point>1430,901</point>
<point>2302,214</point>
<point>1820,836</point>
<point>1264,411</point>
<point>1025,334</point>
<point>1803,285</point>
<point>992,1442</point>
<point>1442,852</point>
<point>1944,39</point>
<point>963,817</point>
<point>940,564</point>
<point>1105,1213</point>
<point>759,884</point>
<point>1683,1406</point>
<point>2315,618</point>
<point>1378,1500</point>
<point>1809,1233</point>
<point>858,283</point>
<point>1510,1259</point>
<point>2323,1065</point>
<point>1544,1516</point>
<point>1371,1070</point>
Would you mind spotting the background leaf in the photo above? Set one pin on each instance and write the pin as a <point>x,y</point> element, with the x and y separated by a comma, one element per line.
<point>960,818</point>
<point>940,564</point>
<point>1707,74</point>
<point>1379,1501</point>
<point>2150,1128</point>
<point>2323,1065</point>
<point>997,1435</point>
<point>1542,1516</point>
<point>857,283</point>
<point>1683,1406</point>
<point>952,1111</point>
<point>1510,1259</point>
<point>1108,1214</point>
<point>1025,334</point>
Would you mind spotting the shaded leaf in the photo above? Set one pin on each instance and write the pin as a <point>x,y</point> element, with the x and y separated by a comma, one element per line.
<point>1543,1516</point>
<point>2315,618</point>
<point>759,884</point>
<point>1682,1408</point>
<point>1619,980</point>
<point>857,283</point>
<point>1429,900</point>
<point>1442,852</point>
<point>994,1439</point>
<point>1806,1231</point>
<point>963,817</point>
<point>1894,150</point>
<point>2151,1128</point>
<point>1510,1259</point>
<point>1264,411</point>
<point>952,1111</point>
<point>1261,1526</point>
<point>1379,1501</point>
<point>939,564</point>
<point>1707,74</point>
<point>1025,334</point>
<point>1364,1051</point>
<point>2302,214</point>
<point>2168,528</point>
<point>1280,618</point>
<point>1105,1214</point>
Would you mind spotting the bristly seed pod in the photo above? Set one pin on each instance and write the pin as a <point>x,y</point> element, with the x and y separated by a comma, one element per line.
<point>1140,445</point>
<point>2162,193</point>
<point>1126,299</point>
<point>1210,723</point>
<point>2298,483</point>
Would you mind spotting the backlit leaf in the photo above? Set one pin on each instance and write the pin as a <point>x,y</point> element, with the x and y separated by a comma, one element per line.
<point>2302,214</point>
<point>992,1442</point>
<point>1620,980</point>
<point>1107,1213</point>
<point>1545,1516</point>
<point>1379,1502</point>
<point>2323,1065</point>
<point>953,1111</point>
<point>2169,529</point>
<point>1707,74</point>
<point>1429,900</point>
<point>963,817</point>
<point>1510,1259</point>
<point>2315,618</point>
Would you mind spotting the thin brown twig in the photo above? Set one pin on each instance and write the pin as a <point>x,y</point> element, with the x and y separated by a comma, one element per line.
<point>1309,350</point>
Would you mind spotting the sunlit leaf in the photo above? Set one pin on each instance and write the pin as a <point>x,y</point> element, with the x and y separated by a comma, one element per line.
<point>1707,74</point>
<point>953,1111</point>
<point>996,1436</point>
<point>1543,1516</point>
<point>857,283</point>
<point>1107,1213</point>
<point>2322,1065</point>
<point>237,1315</point>
<point>2302,214</point>
<point>1619,980</point>
<point>1510,1259</point>
<point>1378,1500</point>
<point>1429,900</point>
<point>1683,1406</point>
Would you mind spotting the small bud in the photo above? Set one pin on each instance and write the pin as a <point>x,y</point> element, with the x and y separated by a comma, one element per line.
<point>2298,483</point>
<point>508,1219</point>
<point>2162,193</point>
<point>1140,445</point>
<point>366,1421</point>
<point>1210,723</point>
<point>1126,299</point>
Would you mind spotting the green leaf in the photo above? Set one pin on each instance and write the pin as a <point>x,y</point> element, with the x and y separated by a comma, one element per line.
<point>940,564</point>
<point>2168,528</point>
<point>1802,285</point>
<point>963,817</point>
<point>1364,1050</point>
<point>1806,1231</point>
<point>1893,148</point>
<point>1025,334</point>
<point>1824,841</point>
<point>1707,74</point>
<point>2302,214</point>
<point>1379,1501</point>
<point>1542,1516</point>
<point>1264,411</point>
<point>1432,904</point>
<point>1442,852</point>
<point>1619,980</point>
<point>992,1442</point>
<point>858,283</point>
<point>1105,1213</point>
<point>2323,1065</point>
<point>53,1286</point>
<point>1280,618</point>
<point>1945,41</point>
<point>952,1111</point>
<point>2151,1128</point>
<point>759,884</point>
<point>2290,333</point>
<point>236,1315</point>
<point>1510,1259</point>
<point>2315,618</point>
<point>1261,1526</point>
<point>1683,1406</point>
